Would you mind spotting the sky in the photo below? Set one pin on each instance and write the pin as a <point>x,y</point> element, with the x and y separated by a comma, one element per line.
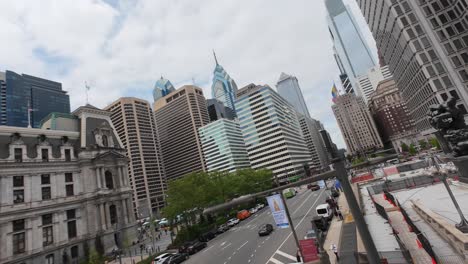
<point>120,48</point>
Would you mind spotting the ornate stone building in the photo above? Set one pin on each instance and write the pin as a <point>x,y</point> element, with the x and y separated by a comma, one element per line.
<point>63,193</point>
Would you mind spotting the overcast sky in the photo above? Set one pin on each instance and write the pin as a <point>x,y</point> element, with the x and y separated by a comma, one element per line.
<point>122,47</point>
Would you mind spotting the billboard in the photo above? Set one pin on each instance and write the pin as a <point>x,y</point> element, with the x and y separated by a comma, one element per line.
<point>278,211</point>
<point>309,250</point>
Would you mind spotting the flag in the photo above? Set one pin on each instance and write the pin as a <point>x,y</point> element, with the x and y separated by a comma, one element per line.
<point>334,93</point>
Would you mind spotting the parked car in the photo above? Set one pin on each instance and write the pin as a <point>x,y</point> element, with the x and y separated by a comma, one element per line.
<point>192,247</point>
<point>161,258</point>
<point>313,187</point>
<point>260,206</point>
<point>253,210</point>
<point>244,214</point>
<point>232,222</point>
<point>310,234</point>
<point>289,193</point>
<point>176,258</point>
<point>164,222</point>
<point>325,211</point>
<point>207,236</point>
<point>222,228</point>
<point>334,192</point>
<point>321,223</point>
<point>265,230</point>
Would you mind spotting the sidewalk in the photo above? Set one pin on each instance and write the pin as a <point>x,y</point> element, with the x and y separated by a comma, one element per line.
<point>334,232</point>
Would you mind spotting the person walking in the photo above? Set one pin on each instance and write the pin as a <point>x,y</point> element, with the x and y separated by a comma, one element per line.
<point>298,256</point>
<point>340,215</point>
<point>335,250</point>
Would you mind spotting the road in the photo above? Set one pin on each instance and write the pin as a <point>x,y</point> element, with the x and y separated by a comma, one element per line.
<point>241,244</point>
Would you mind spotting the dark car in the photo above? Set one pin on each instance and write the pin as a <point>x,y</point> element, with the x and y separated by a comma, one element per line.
<point>207,236</point>
<point>176,258</point>
<point>321,223</point>
<point>313,187</point>
<point>222,228</point>
<point>335,193</point>
<point>265,230</point>
<point>192,247</point>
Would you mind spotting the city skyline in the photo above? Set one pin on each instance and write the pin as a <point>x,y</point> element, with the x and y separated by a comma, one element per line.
<point>112,68</point>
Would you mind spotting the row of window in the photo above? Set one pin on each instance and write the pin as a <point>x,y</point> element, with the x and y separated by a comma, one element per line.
<point>18,154</point>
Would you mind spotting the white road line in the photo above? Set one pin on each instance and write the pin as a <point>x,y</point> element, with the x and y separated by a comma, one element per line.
<point>243,245</point>
<point>251,255</point>
<point>250,260</point>
<point>226,246</point>
<point>222,244</point>
<point>305,200</point>
<point>209,247</point>
<point>298,224</point>
<point>284,254</point>
<point>275,261</point>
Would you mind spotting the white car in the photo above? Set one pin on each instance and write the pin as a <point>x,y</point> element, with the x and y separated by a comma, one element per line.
<point>232,222</point>
<point>161,258</point>
<point>260,206</point>
<point>253,210</point>
<point>164,222</point>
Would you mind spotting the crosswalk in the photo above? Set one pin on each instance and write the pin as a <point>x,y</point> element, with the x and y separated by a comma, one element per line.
<point>281,257</point>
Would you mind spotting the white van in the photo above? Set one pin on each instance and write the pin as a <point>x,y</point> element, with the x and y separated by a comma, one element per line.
<point>325,211</point>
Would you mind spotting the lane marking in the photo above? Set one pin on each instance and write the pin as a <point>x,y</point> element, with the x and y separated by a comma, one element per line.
<point>222,244</point>
<point>284,254</point>
<point>275,261</point>
<point>243,245</point>
<point>305,200</point>
<point>209,247</point>
<point>249,260</point>
<point>226,246</point>
<point>298,224</point>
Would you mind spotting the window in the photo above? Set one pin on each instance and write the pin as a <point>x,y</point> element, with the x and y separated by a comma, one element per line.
<point>454,95</point>
<point>68,177</point>
<point>69,190</point>
<point>45,179</point>
<point>18,181</point>
<point>71,224</point>
<point>67,155</point>
<point>71,214</point>
<point>18,196</point>
<point>19,239</point>
<point>47,236</point>
<point>74,252</point>
<point>18,154</point>
<point>49,259</point>
<point>105,141</point>
<point>45,155</point>
<point>109,180</point>
<point>464,75</point>
<point>113,214</point>
<point>47,219</point>
<point>46,193</point>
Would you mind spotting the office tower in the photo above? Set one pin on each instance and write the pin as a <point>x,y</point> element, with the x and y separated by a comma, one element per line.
<point>134,121</point>
<point>178,117</point>
<point>367,83</point>
<point>288,87</point>
<point>271,132</point>
<point>346,83</point>
<point>391,114</point>
<point>356,124</point>
<point>223,146</point>
<point>18,93</point>
<point>425,45</point>
<point>311,131</point>
<point>352,54</point>
<point>223,88</point>
<point>162,87</point>
<point>217,110</point>
<point>64,193</point>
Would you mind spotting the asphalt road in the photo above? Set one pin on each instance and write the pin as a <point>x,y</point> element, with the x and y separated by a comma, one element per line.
<point>241,244</point>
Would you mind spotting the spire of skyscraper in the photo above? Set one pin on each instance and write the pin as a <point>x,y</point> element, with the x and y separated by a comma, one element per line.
<point>162,87</point>
<point>223,88</point>
<point>216,60</point>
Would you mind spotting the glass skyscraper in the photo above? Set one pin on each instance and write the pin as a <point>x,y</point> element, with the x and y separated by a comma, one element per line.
<point>352,54</point>
<point>223,88</point>
<point>18,92</point>
<point>162,87</point>
<point>288,88</point>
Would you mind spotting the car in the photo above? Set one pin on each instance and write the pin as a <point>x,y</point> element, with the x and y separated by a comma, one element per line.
<point>313,187</point>
<point>176,258</point>
<point>265,230</point>
<point>207,236</point>
<point>192,247</point>
<point>161,258</point>
<point>325,211</point>
<point>164,222</point>
<point>242,215</point>
<point>310,234</point>
<point>222,228</point>
<point>232,222</point>
<point>334,192</point>
<point>260,206</point>
<point>253,210</point>
<point>289,193</point>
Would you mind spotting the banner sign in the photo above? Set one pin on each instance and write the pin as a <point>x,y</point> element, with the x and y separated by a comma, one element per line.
<point>277,210</point>
<point>309,250</point>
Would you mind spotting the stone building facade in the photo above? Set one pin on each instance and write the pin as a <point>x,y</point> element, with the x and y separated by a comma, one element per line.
<point>63,193</point>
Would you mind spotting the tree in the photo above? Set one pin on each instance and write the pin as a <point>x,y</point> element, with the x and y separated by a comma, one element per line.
<point>423,144</point>
<point>404,147</point>
<point>434,143</point>
<point>412,150</point>
<point>95,258</point>
<point>349,157</point>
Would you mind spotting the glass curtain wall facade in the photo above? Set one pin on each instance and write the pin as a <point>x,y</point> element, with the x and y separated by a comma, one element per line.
<point>288,88</point>
<point>271,132</point>
<point>162,87</point>
<point>224,88</point>
<point>223,146</point>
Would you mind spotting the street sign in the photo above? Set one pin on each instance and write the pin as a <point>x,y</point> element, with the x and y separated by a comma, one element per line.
<point>278,211</point>
<point>309,250</point>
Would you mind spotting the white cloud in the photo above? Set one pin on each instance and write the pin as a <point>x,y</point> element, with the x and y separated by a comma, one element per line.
<point>121,48</point>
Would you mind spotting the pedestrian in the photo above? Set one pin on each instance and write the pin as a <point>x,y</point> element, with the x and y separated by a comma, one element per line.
<point>165,230</point>
<point>298,256</point>
<point>335,250</point>
<point>340,215</point>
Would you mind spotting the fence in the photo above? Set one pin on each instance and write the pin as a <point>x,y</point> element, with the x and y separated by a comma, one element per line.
<point>404,183</point>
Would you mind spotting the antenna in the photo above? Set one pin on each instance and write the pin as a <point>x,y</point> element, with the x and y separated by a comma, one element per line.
<point>29,114</point>
<point>87,89</point>
<point>216,60</point>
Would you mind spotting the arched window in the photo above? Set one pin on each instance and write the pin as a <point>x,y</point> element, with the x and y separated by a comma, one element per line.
<point>105,142</point>
<point>113,214</point>
<point>109,180</point>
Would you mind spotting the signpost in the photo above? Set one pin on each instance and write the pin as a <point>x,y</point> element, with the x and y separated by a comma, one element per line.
<point>275,202</point>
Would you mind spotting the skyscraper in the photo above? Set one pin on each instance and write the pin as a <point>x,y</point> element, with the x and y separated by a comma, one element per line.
<point>162,87</point>
<point>223,88</point>
<point>223,146</point>
<point>425,45</point>
<point>367,83</point>
<point>356,124</point>
<point>288,88</point>
<point>311,131</point>
<point>178,117</point>
<point>271,132</point>
<point>18,93</point>
<point>134,122</point>
<point>352,54</point>
<point>217,110</point>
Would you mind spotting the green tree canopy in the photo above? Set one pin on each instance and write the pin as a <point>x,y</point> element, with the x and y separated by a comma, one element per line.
<point>404,147</point>
<point>423,144</point>
<point>412,150</point>
<point>434,143</point>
